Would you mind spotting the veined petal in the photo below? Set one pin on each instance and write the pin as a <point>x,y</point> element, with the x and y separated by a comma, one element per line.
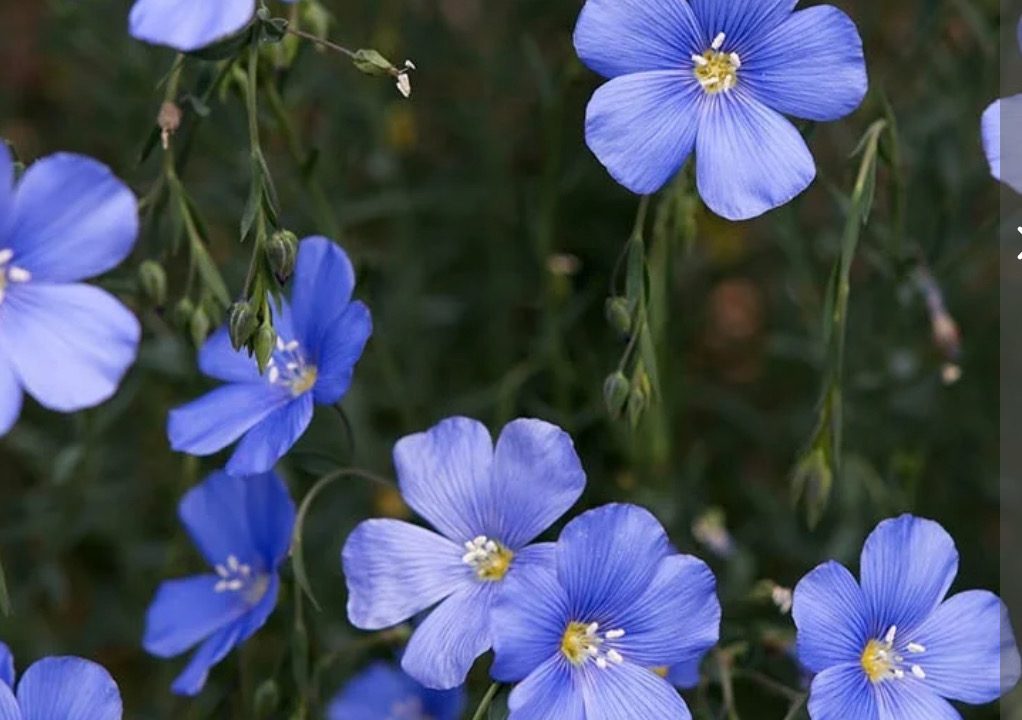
<point>271,517</point>
<point>537,477</point>
<point>324,281</point>
<point>444,646</point>
<point>11,395</point>
<point>811,66</point>
<point>73,219</point>
<point>685,674</point>
<point>341,347</point>
<point>186,611</point>
<point>68,688</point>
<point>188,25</point>
<point>642,127</point>
<point>70,345</point>
<point>444,474</point>
<point>9,709</point>
<point>607,558</point>
<point>970,651</point>
<point>1005,157</point>
<point>395,569</point>
<point>269,441</point>
<point>743,22</point>
<point>218,359</point>
<point>830,613</point>
<point>620,37</point>
<point>911,700</point>
<point>549,693</point>
<point>6,666</point>
<point>215,514</point>
<point>749,159</point>
<point>842,692</point>
<point>193,678</point>
<point>218,418</point>
<point>630,691</point>
<point>908,564</point>
<point>374,693</point>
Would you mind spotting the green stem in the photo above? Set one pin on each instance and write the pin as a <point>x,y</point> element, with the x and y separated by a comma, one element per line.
<point>487,699</point>
<point>796,706</point>
<point>727,687</point>
<point>320,41</point>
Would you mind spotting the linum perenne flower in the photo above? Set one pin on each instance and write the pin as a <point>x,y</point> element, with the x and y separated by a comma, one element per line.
<point>321,335</point>
<point>583,636</point>
<point>716,77</point>
<point>488,503</point>
<point>890,646</point>
<point>58,688</point>
<point>242,527</point>
<point>64,343</point>
<point>1004,159</point>
<point>382,692</point>
<point>188,25</point>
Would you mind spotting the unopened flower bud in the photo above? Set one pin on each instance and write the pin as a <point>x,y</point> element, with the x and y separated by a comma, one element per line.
<point>372,62</point>
<point>281,252</point>
<point>618,315</point>
<point>168,120</point>
<point>198,326</point>
<point>264,344</point>
<point>241,324</point>
<point>615,393</point>
<point>267,699</point>
<point>638,399</point>
<point>152,280</point>
<point>183,312</point>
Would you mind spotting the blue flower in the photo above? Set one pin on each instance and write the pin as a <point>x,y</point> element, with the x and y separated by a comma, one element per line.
<point>383,691</point>
<point>188,25</point>
<point>321,335</point>
<point>64,688</point>
<point>890,646</point>
<point>583,636</point>
<point>716,77</point>
<point>66,344</point>
<point>242,527</point>
<point>1009,172</point>
<point>488,504</point>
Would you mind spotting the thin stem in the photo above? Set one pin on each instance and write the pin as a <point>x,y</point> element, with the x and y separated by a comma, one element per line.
<point>320,41</point>
<point>796,706</point>
<point>487,699</point>
<point>724,666</point>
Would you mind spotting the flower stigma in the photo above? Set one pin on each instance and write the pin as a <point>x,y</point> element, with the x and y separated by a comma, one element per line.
<point>583,642</point>
<point>10,273</point>
<point>490,559</point>
<point>288,368</point>
<point>238,577</point>
<point>716,70</point>
<point>882,659</point>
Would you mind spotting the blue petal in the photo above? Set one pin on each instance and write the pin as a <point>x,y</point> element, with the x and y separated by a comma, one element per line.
<point>324,280</point>
<point>69,344</point>
<point>971,654</point>
<point>188,24</point>
<point>530,616</point>
<point>911,699</point>
<point>9,709</point>
<point>743,22</point>
<point>215,514</point>
<point>342,346</point>
<point>193,678</point>
<point>1004,155</point>
<point>607,558</point>
<point>549,693</point>
<point>830,613</point>
<point>444,646</point>
<point>218,359</point>
<point>749,159</point>
<point>620,37</point>
<point>395,570</point>
<point>990,129</point>
<point>6,190</point>
<point>68,688</point>
<point>271,517</point>
<point>685,675</point>
<point>269,441</point>
<point>218,418</point>
<point>842,692</point>
<point>443,704</point>
<point>537,477</point>
<point>908,564</point>
<point>6,666</point>
<point>10,395</point>
<point>372,694</point>
<point>186,611</point>
<point>678,617</point>
<point>444,474</point>
<point>642,127</point>
<point>72,219</point>
<point>630,691</point>
<point>811,66</point>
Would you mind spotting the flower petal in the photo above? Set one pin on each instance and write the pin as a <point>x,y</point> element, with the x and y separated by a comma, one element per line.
<point>971,654</point>
<point>630,691</point>
<point>188,26</point>
<point>908,564</point>
<point>9,709</point>
<point>324,281</point>
<point>6,190</point>
<point>7,674</point>
<point>607,558</point>
<point>685,675</point>
<point>830,613</point>
<point>1005,157</point>
<point>215,514</point>
<point>911,699</point>
<point>269,441</point>
<point>375,692</point>
<point>749,159</point>
<point>677,618</point>
<point>69,344</point>
<point>11,395</point>
<point>342,346</point>
<point>444,646</point>
<point>811,66</point>
<point>193,678</point>
<point>444,474</point>
<point>620,37</point>
<point>271,517</point>
<point>395,569</point>
<point>642,127</point>
<point>218,418</point>
<point>841,692</point>
<point>218,359</point>
<point>743,22</point>
<point>68,688</point>
<point>549,693</point>
<point>186,611</point>
<point>537,477</point>
<point>73,219</point>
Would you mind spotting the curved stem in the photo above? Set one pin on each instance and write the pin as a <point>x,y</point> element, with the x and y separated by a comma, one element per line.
<point>487,699</point>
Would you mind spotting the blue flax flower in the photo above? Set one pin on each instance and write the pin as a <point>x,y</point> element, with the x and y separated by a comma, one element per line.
<point>584,637</point>
<point>188,25</point>
<point>1005,161</point>
<point>242,527</point>
<point>716,77</point>
<point>890,646</point>
<point>488,504</point>
<point>321,335</point>
<point>382,692</point>
<point>58,688</point>
<point>64,343</point>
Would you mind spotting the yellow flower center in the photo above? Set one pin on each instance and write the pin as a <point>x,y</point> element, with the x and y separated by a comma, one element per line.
<point>716,70</point>
<point>881,660</point>
<point>489,558</point>
<point>304,382</point>
<point>584,641</point>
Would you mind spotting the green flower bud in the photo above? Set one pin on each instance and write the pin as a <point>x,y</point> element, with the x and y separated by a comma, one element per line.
<point>281,252</point>
<point>619,315</point>
<point>372,62</point>
<point>264,344</point>
<point>638,398</point>
<point>241,324</point>
<point>616,389</point>
<point>267,699</point>
<point>198,326</point>
<point>183,312</point>
<point>152,279</point>
<point>812,482</point>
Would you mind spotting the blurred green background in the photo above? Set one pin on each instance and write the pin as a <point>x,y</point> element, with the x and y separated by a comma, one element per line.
<point>485,235</point>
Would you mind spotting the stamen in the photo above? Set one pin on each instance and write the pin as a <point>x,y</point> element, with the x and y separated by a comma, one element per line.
<point>584,642</point>
<point>718,41</point>
<point>700,60</point>
<point>918,672</point>
<point>5,256</point>
<point>239,577</point>
<point>488,558</point>
<point>916,648</point>
<point>716,70</point>
<point>17,274</point>
<point>288,368</point>
<point>881,660</point>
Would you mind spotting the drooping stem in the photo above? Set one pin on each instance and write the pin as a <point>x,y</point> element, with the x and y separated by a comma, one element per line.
<point>484,705</point>
<point>320,41</point>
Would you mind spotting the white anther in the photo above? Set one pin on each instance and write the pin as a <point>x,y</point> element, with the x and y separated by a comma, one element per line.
<point>615,657</point>
<point>5,256</point>
<point>274,375</point>
<point>222,571</point>
<point>736,61</point>
<point>718,41</point>
<point>615,634</point>
<point>19,275</point>
<point>889,637</point>
<point>916,648</point>
<point>601,663</point>
<point>409,65</point>
<point>280,344</point>
<point>592,628</point>
<point>700,60</point>
<point>898,673</point>
<point>918,672</point>
<point>291,346</point>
